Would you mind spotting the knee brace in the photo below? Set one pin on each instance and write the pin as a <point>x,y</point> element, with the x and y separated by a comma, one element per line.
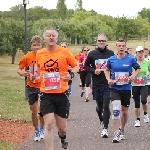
<point>116,109</point>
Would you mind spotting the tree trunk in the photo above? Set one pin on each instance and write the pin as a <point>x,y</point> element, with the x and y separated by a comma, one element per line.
<point>76,41</point>
<point>13,58</point>
<point>70,41</point>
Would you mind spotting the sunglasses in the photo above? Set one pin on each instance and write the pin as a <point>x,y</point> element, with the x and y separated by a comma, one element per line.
<point>101,40</point>
<point>85,50</point>
<point>63,46</point>
<point>141,51</point>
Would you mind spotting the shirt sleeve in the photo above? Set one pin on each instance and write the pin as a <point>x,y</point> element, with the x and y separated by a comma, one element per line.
<point>88,63</point>
<point>134,63</point>
<point>23,62</point>
<point>71,59</point>
<point>108,64</point>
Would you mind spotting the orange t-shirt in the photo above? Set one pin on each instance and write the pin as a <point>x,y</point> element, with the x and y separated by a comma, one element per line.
<point>77,56</point>
<point>52,65</point>
<point>28,62</point>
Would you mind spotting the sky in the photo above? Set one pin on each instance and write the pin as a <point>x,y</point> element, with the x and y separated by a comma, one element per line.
<point>115,8</point>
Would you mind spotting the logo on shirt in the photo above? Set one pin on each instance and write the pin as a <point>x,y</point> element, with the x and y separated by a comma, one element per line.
<point>51,65</point>
<point>125,65</point>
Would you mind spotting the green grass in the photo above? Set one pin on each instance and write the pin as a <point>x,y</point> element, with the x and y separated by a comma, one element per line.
<point>13,104</point>
<point>6,146</point>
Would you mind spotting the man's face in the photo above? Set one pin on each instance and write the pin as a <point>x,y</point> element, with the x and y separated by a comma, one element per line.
<point>50,37</point>
<point>35,46</point>
<point>101,41</point>
<point>121,47</point>
<point>145,52</point>
<point>130,51</point>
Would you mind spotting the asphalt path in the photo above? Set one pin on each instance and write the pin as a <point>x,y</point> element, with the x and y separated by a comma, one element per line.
<point>84,129</point>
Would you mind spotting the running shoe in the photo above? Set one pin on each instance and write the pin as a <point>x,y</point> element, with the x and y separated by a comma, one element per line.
<point>41,130</point>
<point>87,99</point>
<point>64,143</point>
<point>82,93</point>
<point>137,123</point>
<point>116,138</point>
<point>122,136</point>
<point>36,136</point>
<point>104,133</point>
<point>146,118</point>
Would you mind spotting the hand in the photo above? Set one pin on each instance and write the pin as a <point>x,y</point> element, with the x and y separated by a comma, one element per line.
<point>148,100</point>
<point>26,73</point>
<point>111,82</point>
<point>97,71</point>
<point>67,77</point>
<point>70,68</point>
<point>131,78</point>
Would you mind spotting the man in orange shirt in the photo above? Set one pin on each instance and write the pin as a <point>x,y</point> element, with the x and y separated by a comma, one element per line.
<point>27,67</point>
<point>53,61</point>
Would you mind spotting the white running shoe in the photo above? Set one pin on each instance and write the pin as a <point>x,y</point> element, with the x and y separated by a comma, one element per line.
<point>104,133</point>
<point>122,136</point>
<point>116,138</point>
<point>37,136</point>
<point>137,123</point>
<point>146,118</point>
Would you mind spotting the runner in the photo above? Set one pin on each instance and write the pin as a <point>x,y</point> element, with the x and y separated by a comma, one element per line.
<point>53,61</point>
<point>147,57</point>
<point>85,75</point>
<point>65,45</point>
<point>119,75</point>
<point>96,64</point>
<point>77,56</point>
<point>27,62</point>
<point>140,87</point>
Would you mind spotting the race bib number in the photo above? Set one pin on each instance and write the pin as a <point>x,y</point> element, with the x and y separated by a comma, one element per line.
<point>140,81</point>
<point>121,78</point>
<point>101,64</point>
<point>51,81</point>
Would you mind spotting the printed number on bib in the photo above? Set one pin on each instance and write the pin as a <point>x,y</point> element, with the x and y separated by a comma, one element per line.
<point>139,81</point>
<point>51,81</point>
<point>121,78</point>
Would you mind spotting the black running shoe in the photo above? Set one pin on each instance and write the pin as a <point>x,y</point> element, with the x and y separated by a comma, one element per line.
<point>64,143</point>
<point>82,93</point>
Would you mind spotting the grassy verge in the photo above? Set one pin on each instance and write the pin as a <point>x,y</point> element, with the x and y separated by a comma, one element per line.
<point>6,146</point>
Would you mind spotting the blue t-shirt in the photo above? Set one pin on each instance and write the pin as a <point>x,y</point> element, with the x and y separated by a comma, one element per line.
<point>120,70</point>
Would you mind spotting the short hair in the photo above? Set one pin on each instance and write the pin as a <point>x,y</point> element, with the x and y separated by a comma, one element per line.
<point>145,48</point>
<point>128,48</point>
<point>64,43</point>
<point>120,40</point>
<point>102,35</point>
<point>36,38</point>
<point>50,29</point>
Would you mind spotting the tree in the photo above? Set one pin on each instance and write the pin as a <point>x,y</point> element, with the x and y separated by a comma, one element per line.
<point>61,9</point>
<point>145,13</point>
<point>12,36</point>
<point>79,5</point>
<point>126,27</point>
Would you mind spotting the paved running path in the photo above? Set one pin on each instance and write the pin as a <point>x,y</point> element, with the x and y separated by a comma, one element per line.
<point>84,129</point>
